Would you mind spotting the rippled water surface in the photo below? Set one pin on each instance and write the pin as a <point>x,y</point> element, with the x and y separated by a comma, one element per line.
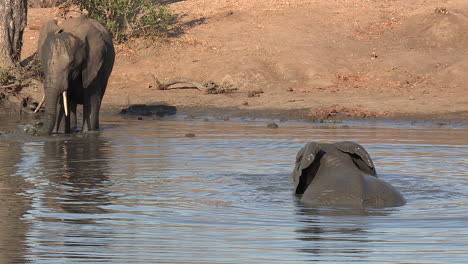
<point>143,192</point>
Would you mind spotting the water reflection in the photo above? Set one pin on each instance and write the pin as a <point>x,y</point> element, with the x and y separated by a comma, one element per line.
<point>80,177</point>
<point>142,192</point>
<point>14,205</point>
<point>321,226</point>
<point>70,193</point>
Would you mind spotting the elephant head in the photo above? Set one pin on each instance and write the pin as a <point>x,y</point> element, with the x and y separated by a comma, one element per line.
<point>341,174</point>
<point>77,58</point>
<point>62,57</point>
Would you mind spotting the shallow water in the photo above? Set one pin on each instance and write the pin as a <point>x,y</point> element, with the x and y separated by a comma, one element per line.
<point>143,192</point>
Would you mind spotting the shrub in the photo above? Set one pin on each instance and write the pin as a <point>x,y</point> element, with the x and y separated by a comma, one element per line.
<point>6,77</point>
<point>129,18</point>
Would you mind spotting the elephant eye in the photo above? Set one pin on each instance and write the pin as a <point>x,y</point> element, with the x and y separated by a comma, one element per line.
<point>299,158</point>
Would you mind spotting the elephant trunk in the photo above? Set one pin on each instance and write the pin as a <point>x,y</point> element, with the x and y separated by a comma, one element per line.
<point>51,100</point>
<point>54,85</point>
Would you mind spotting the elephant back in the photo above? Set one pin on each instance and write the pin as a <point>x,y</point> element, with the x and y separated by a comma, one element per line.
<point>100,49</point>
<point>83,26</point>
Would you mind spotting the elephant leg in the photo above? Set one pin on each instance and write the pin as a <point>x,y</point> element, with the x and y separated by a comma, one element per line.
<point>61,120</point>
<point>66,124</point>
<point>95,112</point>
<point>101,91</point>
<point>86,114</point>
<point>91,107</point>
<point>72,116</point>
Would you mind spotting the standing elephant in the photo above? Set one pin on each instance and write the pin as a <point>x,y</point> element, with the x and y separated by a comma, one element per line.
<point>77,57</point>
<point>341,174</point>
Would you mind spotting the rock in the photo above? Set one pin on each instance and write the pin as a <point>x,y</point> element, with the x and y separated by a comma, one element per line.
<point>149,110</point>
<point>332,121</point>
<point>255,93</point>
<point>32,129</point>
<point>190,135</point>
<point>272,125</point>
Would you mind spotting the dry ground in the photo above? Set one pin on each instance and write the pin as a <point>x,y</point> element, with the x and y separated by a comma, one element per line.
<point>368,58</point>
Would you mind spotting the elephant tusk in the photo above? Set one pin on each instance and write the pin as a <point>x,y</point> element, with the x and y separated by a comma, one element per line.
<point>65,103</point>
<point>40,104</point>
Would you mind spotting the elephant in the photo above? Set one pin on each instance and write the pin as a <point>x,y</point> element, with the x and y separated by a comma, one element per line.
<point>77,58</point>
<point>341,174</point>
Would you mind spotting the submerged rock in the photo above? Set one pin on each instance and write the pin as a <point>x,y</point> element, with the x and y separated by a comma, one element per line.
<point>149,110</point>
<point>272,125</point>
<point>33,128</point>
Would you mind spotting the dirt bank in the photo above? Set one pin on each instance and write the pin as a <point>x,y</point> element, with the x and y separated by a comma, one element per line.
<point>353,58</point>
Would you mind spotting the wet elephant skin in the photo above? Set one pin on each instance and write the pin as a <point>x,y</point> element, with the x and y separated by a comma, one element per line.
<point>341,174</point>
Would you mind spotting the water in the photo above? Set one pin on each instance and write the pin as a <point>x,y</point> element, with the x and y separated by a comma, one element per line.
<point>143,192</point>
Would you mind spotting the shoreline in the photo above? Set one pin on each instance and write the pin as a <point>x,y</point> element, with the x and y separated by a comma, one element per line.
<point>446,118</point>
<point>453,119</point>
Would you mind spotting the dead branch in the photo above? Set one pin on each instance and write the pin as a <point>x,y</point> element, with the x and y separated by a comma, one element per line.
<point>16,86</point>
<point>165,85</point>
<point>208,88</point>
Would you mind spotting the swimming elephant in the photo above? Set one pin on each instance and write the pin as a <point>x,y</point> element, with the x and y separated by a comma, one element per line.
<point>341,174</point>
<point>77,57</point>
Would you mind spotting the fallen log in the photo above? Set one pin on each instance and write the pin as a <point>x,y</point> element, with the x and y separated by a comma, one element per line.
<point>165,85</point>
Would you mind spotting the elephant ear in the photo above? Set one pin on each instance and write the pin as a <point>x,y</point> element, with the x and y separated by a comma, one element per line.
<point>305,158</point>
<point>359,155</point>
<point>96,52</point>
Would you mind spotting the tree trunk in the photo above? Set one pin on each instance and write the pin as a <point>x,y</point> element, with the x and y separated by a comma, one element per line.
<point>13,18</point>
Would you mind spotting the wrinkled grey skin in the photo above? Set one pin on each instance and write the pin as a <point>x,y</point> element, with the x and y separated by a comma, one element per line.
<point>341,174</point>
<point>77,56</point>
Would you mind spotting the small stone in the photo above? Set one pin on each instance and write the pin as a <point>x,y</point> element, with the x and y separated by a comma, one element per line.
<point>140,118</point>
<point>412,97</point>
<point>38,123</point>
<point>272,125</point>
<point>190,135</point>
<point>245,103</point>
<point>332,121</point>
